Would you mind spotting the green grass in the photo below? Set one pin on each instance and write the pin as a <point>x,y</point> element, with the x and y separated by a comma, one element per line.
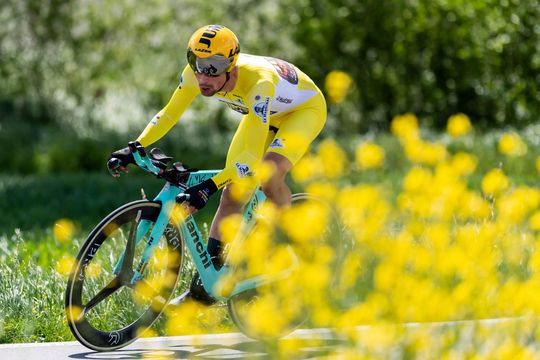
<point>31,300</point>
<point>31,290</point>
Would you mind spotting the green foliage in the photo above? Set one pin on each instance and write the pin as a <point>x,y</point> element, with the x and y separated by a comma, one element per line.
<point>433,58</point>
<point>85,77</point>
<point>36,202</point>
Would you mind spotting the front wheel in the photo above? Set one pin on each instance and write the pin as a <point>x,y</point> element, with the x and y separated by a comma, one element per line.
<point>106,307</point>
<point>282,302</point>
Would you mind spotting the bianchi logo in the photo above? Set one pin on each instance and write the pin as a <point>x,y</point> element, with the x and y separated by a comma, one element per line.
<point>242,169</point>
<point>261,109</point>
<point>277,143</point>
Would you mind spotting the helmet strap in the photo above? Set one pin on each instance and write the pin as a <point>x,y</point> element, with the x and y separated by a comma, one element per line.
<point>227,78</point>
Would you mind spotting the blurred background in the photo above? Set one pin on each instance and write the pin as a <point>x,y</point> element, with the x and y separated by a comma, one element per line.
<point>79,79</point>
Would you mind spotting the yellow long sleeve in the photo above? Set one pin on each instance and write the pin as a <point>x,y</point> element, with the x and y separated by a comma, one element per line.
<point>165,119</point>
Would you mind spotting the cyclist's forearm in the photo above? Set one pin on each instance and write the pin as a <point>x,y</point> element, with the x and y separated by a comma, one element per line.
<point>156,128</point>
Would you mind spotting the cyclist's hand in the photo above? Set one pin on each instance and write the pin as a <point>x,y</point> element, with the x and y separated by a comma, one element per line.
<point>199,194</point>
<point>119,161</point>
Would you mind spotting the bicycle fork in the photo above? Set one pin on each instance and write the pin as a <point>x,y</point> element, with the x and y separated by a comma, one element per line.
<point>166,197</point>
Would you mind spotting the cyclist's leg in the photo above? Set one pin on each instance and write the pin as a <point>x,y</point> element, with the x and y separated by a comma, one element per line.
<point>228,205</point>
<point>275,187</point>
<point>297,131</point>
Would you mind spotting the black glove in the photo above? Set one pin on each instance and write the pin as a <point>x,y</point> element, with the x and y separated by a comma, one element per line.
<point>199,194</point>
<point>119,160</point>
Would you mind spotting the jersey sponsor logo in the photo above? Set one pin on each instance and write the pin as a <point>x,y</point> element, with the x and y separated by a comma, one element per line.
<point>181,82</point>
<point>284,100</point>
<point>242,169</point>
<point>278,143</point>
<point>155,120</point>
<point>261,109</point>
<point>284,69</point>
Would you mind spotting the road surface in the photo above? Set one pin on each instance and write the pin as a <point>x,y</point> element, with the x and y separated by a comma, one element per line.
<point>230,345</point>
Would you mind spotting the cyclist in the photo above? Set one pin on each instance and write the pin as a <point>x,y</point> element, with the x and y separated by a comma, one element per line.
<point>283,112</point>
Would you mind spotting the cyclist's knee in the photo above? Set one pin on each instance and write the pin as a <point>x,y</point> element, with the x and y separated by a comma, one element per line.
<point>278,192</point>
<point>271,189</point>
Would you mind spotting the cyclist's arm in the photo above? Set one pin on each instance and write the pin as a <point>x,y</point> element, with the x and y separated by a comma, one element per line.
<point>257,124</point>
<point>164,120</point>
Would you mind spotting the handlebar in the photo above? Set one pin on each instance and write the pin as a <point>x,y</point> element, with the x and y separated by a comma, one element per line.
<point>142,160</point>
<point>155,162</point>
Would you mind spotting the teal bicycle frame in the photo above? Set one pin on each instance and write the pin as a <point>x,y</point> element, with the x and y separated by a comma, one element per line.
<point>191,234</point>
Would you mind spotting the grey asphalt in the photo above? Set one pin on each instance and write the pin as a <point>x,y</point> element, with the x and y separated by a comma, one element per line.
<point>215,346</point>
<point>221,346</point>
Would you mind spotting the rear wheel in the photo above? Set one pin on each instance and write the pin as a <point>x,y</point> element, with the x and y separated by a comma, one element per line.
<point>106,309</point>
<point>283,301</point>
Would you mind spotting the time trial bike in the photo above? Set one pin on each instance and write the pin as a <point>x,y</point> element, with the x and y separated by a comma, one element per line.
<point>134,260</point>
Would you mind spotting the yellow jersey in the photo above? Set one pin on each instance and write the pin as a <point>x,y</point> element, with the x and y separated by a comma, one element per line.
<point>267,89</point>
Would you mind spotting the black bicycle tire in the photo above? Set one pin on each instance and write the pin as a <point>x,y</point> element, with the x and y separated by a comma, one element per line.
<point>82,330</point>
<point>240,323</point>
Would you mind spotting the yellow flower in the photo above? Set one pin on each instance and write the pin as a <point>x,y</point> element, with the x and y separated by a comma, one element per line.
<point>74,314</point>
<point>369,156</point>
<point>305,221</point>
<point>229,227</point>
<point>405,127</point>
<point>417,179</point>
<point>307,168</point>
<point>495,182</point>
<point>242,189</point>
<point>423,152</point>
<point>185,319</point>
<point>265,171</point>
<point>458,125</point>
<point>464,163</point>
<point>511,144</point>
<point>534,221</point>
<point>333,158</point>
<point>63,229</point>
<point>337,85</point>
<point>473,206</point>
<point>146,332</point>
<point>515,206</point>
<point>538,164</point>
<point>64,265</point>
<point>364,209</point>
<point>323,190</point>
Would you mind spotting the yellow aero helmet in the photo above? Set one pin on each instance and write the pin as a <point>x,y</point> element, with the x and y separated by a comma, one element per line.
<point>213,50</point>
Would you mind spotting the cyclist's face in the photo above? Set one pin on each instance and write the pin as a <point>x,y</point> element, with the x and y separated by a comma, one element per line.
<point>209,85</point>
